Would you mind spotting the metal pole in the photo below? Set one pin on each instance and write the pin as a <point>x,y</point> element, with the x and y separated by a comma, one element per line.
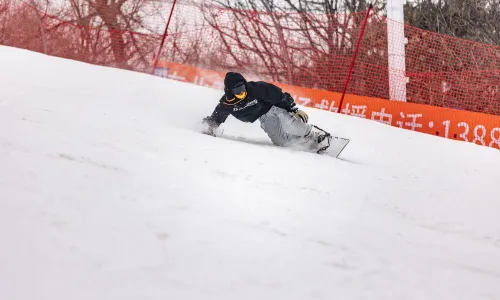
<point>354,57</point>
<point>165,34</point>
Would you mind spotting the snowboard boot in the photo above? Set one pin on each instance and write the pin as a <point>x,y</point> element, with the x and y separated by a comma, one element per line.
<point>319,139</point>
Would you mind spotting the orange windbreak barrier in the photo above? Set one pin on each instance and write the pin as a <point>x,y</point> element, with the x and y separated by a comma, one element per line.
<point>478,128</point>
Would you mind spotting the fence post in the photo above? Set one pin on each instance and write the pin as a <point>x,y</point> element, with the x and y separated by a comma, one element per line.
<point>165,34</point>
<point>396,49</point>
<point>354,57</point>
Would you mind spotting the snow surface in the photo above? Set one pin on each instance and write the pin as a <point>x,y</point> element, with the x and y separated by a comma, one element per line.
<point>107,191</point>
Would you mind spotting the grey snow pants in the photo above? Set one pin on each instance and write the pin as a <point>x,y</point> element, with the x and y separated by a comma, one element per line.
<point>282,127</point>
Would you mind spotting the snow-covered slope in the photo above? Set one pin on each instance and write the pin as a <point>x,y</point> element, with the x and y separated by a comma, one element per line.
<point>107,191</point>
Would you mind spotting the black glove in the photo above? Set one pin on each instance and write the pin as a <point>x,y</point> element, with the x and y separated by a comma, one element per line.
<point>288,102</point>
<point>211,126</point>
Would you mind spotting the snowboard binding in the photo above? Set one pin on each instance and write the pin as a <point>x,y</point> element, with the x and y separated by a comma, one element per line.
<point>324,140</point>
<point>320,139</point>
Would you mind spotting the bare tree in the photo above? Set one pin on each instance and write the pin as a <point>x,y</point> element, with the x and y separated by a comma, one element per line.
<point>40,9</point>
<point>294,41</point>
<point>20,26</point>
<point>476,20</point>
<point>120,21</point>
<point>5,17</point>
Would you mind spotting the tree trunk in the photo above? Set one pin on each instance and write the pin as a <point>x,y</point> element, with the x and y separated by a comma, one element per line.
<point>109,14</point>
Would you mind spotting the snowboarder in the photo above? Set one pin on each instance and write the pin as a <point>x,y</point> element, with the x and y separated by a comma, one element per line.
<point>284,123</point>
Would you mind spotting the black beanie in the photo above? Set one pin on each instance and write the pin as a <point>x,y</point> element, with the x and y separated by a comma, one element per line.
<point>230,80</point>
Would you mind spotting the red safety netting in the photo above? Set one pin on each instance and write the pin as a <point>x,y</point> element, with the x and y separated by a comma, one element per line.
<point>304,49</point>
<point>125,38</point>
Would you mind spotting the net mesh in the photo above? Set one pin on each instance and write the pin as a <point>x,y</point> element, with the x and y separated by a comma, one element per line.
<point>313,50</point>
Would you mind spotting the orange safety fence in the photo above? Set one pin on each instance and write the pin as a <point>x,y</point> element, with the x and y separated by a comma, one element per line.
<point>315,50</point>
<point>477,128</point>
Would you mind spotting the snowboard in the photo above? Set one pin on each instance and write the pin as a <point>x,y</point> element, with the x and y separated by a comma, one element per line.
<point>337,145</point>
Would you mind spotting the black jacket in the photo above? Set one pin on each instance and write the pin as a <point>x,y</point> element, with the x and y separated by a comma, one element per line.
<point>260,98</point>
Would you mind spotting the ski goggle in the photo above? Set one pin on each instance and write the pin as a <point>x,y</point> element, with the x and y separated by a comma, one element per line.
<point>240,91</point>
